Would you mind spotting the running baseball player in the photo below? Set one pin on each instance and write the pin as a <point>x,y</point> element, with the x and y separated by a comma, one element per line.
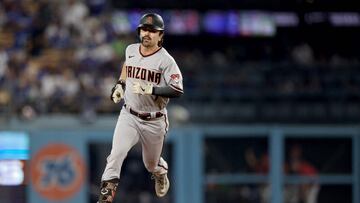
<point>149,77</point>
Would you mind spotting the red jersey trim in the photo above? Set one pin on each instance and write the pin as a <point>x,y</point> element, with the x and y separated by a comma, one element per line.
<point>176,88</point>
<point>148,54</point>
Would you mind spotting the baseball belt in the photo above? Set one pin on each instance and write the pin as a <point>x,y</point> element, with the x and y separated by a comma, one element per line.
<point>144,116</point>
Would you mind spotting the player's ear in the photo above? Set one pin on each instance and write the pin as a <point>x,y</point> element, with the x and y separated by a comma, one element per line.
<point>161,41</point>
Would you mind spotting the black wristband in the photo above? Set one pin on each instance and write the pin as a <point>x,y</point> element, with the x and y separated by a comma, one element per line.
<point>122,83</point>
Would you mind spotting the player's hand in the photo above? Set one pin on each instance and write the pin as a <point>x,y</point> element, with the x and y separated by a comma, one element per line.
<point>142,89</point>
<point>117,93</point>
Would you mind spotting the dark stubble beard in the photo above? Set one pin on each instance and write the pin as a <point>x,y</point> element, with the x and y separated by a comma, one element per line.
<point>145,44</point>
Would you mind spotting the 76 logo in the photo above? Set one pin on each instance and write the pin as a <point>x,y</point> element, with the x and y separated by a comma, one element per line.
<point>58,171</point>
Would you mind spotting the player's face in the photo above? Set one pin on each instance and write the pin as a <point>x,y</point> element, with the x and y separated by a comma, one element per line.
<point>150,38</point>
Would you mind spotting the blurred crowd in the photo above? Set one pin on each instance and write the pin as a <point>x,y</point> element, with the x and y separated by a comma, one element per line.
<point>257,161</point>
<point>57,56</point>
<point>296,164</point>
<point>64,57</point>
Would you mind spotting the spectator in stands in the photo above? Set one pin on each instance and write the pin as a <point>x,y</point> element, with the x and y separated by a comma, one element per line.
<point>3,62</point>
<point>258,164</point>
<point>297,165</point>
<point>87,38</point>
<point>303,54</point>
<point>255,164</point>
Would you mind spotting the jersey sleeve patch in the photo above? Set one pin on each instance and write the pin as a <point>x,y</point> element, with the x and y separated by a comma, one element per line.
<point>175,77</point>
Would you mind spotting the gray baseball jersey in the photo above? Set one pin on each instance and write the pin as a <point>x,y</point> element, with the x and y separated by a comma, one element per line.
<point>159,68</point>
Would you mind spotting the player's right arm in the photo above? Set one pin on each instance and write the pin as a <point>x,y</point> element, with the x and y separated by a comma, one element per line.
<point>122,77</point>
<point>117,92</point>
<point>123,73</point>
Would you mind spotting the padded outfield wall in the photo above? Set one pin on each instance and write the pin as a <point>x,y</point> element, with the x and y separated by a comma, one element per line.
<point>207,163</point>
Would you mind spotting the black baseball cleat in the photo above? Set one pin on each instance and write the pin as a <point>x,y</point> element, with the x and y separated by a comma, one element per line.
<point>107,192</point>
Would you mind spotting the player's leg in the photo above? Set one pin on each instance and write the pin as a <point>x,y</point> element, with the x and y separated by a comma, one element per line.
<point>124,138</point>
<point>152,141</point>
<point>162,183</point>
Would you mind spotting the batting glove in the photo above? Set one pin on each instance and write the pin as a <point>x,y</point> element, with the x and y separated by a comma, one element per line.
<point>142,89</point>
<point>117,92</point>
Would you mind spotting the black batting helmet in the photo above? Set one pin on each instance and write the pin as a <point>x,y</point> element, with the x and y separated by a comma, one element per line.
<point>152,21</point>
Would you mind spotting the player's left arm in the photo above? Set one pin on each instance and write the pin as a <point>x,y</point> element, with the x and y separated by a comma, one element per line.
<point>167,91</point>
<point>174,87</point>
<point>173,80</point>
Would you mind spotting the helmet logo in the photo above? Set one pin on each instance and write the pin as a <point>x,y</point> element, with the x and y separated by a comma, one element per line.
<point>149,20</point>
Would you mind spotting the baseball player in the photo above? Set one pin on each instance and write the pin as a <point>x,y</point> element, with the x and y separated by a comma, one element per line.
<point>149,77</point>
